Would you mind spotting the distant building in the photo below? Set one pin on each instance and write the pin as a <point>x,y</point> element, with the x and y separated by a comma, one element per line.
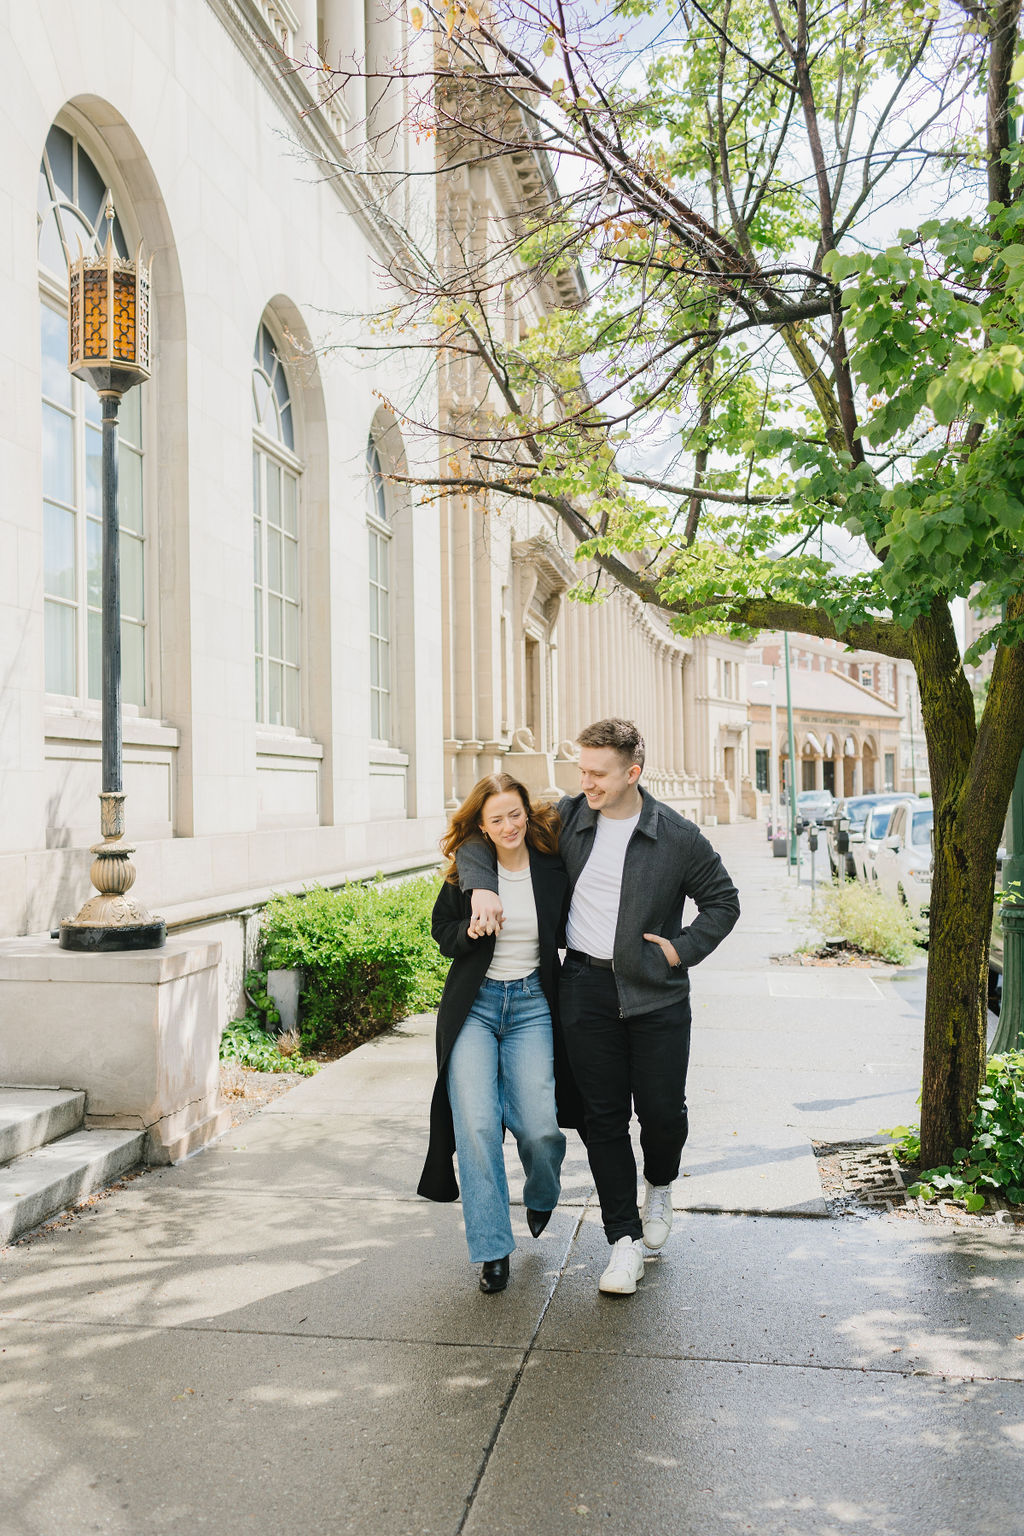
<point>857,718</point>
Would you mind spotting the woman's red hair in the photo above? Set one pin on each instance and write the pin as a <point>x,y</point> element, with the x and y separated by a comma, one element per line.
<point>542,820</point>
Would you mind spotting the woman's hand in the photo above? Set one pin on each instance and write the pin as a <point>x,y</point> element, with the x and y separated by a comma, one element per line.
<point>487,914</point>
<point>667,949</point>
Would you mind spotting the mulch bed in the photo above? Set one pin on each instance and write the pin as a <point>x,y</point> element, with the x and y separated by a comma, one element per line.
<point>862,1179</point>
<point>247,1092</point>
<point>834,953</point>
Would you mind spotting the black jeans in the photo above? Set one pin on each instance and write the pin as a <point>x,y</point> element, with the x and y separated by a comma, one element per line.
<point>620,1065</point>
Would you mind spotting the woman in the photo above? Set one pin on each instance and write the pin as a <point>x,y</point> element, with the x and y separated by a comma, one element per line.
<point>495,1048</point>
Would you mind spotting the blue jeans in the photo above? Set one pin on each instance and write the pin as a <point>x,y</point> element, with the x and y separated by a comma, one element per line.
<point>501,1073</point>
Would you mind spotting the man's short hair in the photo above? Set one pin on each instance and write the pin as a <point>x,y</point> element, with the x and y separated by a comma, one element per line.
<point>622,735</point>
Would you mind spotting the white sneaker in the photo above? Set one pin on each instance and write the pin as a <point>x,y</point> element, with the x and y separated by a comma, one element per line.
<point>656,1214</point>
<point>625,1268</point>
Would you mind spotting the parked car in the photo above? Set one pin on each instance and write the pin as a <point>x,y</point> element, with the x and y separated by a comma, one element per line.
<point>845,829</point>
<point>865,852</point>
<point>815,806</point>
<point>903,863</point>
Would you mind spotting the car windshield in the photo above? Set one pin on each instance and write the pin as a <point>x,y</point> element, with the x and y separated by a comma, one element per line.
<point>921,831</point>
<point>879,821</point>
<point>857,810</point>
<point>814,797</point>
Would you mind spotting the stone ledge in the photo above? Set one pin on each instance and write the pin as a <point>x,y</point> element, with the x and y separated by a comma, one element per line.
<point>40,958</point>
<point>137,1033</point>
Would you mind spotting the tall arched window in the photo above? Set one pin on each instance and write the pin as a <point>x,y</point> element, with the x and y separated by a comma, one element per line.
<point>275,491</point>
<point>72,197</point>
<point>380,597</point>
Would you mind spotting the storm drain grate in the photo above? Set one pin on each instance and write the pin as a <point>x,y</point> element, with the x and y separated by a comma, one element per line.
<point>861,1178</point>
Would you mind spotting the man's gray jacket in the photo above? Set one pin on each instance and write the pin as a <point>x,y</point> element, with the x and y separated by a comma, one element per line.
<point>667,860</point>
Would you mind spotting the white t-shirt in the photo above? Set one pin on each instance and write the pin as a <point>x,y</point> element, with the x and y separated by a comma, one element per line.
<point>594,909</point>
<point>517,947</point>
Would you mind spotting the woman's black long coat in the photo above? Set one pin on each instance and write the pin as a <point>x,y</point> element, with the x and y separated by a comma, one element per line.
<point>470,961</point>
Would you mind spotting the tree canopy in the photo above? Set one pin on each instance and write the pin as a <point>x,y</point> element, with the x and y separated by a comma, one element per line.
<point>792,398</point>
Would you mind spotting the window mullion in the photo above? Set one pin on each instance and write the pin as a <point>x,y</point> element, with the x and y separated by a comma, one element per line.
<point>78,430</point>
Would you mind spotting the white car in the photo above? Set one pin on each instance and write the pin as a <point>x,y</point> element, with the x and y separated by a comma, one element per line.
<point>903,863</point>
<point>864,853</point>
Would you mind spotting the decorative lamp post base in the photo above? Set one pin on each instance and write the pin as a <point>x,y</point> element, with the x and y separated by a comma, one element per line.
<point>91,938</point>
<point>112,919</point>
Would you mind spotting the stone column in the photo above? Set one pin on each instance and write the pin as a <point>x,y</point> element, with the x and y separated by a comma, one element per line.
<point>464,650</point>
<point>385,97</point>
<point>599,698</point>
<point>676,685</point>
<point>306,39</point>
<point>344,43</point>
<point>689,715</point>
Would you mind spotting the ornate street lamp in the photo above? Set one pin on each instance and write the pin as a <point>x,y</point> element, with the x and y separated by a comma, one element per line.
<point>109,349</point>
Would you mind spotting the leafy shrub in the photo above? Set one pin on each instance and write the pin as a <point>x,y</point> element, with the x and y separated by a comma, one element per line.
<point>868,918</point>
<point>247,1043</point>
<point>995,1159</point>
<point>906,1142</point>
<point>261,1005</point>
<point>366,954</point>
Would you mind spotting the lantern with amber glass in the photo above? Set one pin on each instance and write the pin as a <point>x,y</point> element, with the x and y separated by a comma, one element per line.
<point>109,349</point>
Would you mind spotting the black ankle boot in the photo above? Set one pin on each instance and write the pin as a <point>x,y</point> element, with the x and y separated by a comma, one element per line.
<point>494,1275</point>
<point>537,1220</point>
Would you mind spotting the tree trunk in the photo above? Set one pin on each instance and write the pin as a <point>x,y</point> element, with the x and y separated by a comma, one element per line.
<point>961,913</point>
<point>956,1011</point>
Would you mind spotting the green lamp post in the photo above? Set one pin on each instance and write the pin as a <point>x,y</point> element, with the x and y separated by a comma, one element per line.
<point>1009,1034</point>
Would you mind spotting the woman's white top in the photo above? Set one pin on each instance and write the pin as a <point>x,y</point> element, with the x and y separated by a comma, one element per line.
<point>517,947</point>
<point>594,909</point>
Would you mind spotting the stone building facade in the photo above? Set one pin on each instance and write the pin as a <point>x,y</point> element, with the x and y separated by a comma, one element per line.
<point>281,616</point>
<point>316,668</point>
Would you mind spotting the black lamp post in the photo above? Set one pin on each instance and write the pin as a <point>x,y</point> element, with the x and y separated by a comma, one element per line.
<point>109,349</point>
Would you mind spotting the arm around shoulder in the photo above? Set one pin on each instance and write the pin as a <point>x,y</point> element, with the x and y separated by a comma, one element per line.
<point>477,867</point>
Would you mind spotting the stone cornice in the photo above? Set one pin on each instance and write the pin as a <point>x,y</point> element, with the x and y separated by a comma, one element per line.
<point>249,26</point>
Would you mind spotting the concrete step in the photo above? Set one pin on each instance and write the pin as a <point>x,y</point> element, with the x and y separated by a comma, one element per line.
<point>29,1117</point>
<point>47,1180</point>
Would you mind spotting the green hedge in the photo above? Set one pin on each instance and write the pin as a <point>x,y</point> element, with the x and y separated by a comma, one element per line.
<point>366,952</point>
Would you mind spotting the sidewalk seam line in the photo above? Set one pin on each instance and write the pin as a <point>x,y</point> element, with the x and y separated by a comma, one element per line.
<point>549,1349</point>
<point>517,1378</point>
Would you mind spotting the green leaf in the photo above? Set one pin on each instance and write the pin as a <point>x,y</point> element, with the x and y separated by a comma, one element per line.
<point>974,1201</point>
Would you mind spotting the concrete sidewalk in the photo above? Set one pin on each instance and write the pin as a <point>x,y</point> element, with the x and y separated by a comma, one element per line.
<point>280,1337</point>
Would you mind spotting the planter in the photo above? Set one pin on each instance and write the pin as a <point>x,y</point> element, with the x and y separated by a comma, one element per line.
<point>284,987</point>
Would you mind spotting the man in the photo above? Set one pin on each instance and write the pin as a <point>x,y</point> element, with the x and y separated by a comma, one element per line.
<point>624,992</point>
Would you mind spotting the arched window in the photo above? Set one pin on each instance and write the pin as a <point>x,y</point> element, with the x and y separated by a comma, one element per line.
<point>378,523</point>
<point>72,197</point>
<point>275,490</point>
